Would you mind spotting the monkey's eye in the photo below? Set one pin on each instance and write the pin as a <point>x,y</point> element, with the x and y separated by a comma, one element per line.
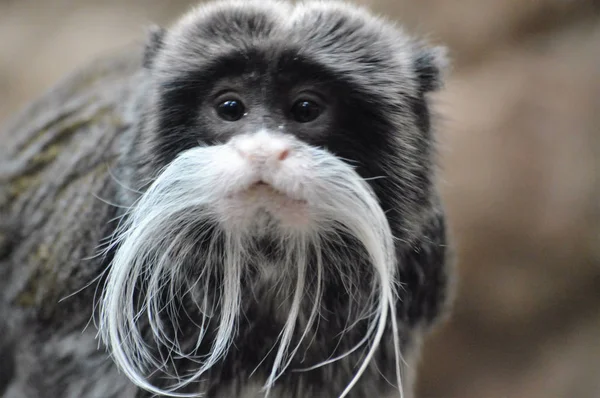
<point>231,110</point>
<point>304,111</point>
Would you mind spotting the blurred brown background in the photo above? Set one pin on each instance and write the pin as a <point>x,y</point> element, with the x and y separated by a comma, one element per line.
<point>521,157</point>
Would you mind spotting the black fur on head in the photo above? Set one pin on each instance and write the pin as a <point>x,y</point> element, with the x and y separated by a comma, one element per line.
<point>324,78</point>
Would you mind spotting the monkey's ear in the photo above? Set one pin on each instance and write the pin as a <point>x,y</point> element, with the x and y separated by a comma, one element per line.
<point>431,65</point>
<point>154,43</point>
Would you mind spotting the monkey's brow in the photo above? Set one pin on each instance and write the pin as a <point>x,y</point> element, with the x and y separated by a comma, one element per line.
<point>287,64</point>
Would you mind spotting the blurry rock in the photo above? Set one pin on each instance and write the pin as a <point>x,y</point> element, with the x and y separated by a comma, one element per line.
<point>41,41</point>
<point>522,184</point>
<point>475,29</point>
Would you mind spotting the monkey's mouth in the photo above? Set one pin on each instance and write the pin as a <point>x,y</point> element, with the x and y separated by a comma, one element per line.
<point>268,191</point>
<point>252,203</point>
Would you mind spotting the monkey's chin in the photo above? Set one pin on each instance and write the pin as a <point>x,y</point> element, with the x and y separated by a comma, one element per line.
<point>262,206</point>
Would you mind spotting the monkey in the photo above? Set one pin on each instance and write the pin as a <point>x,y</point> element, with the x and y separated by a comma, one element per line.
<point>269,225</point>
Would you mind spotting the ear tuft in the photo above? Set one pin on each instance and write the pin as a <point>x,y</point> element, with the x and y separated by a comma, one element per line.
<point>154,43</point>
<point>431,65</point>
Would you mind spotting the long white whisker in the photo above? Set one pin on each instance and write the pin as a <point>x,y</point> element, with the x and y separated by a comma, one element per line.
<point>176,227</point>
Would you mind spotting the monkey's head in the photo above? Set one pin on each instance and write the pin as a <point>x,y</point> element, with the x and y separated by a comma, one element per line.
<point>288,146</point>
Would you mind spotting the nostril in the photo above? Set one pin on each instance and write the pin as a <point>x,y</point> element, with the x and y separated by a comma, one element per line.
<point>244,154</point>
<point>240,152</point>
<point>283,154</point>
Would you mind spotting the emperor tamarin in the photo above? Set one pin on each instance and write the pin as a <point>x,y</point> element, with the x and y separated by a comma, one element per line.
<point>253,198</point>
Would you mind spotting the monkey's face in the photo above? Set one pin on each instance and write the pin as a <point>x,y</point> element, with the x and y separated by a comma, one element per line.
<point>322,75</point>
<point>307,125</point>
<point>265,116</point>
<point>268,109</point>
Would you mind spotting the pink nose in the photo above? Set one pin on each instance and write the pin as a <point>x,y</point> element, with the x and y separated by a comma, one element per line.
<point>262,148</point>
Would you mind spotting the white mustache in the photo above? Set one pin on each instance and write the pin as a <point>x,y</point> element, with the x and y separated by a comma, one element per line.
<point>153,242</point>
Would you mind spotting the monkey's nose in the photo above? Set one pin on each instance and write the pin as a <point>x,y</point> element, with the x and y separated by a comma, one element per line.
<point>262,148</point>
